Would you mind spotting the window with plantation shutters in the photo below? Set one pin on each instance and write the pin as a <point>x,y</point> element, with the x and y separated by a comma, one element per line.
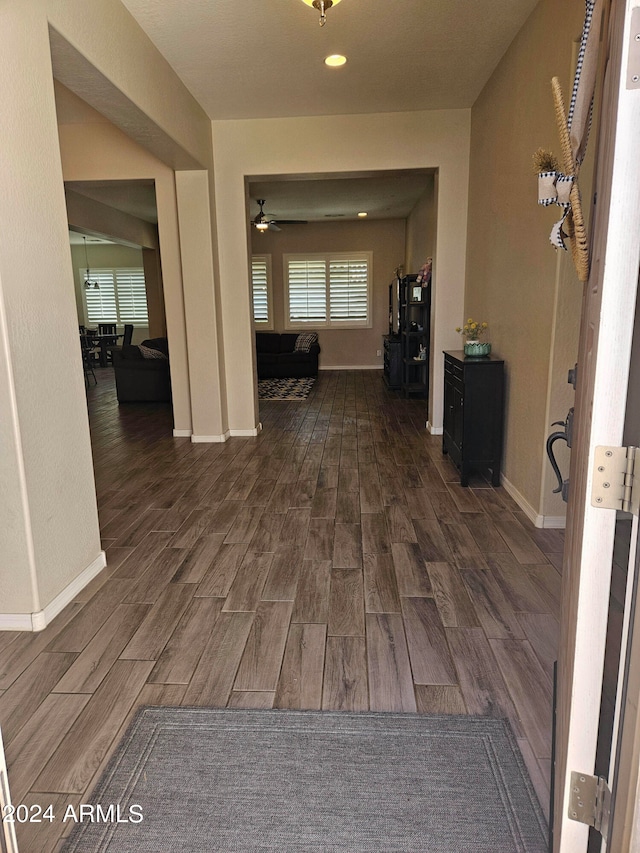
<point>100,301</point>
<point>328,290</point>
<point>120,297</point>
<point>131,296</point>
<point>307,279</point>
<point>261,290</point>
<point>348,289</point>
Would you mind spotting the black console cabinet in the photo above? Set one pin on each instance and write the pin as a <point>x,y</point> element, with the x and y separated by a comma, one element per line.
<point>473,413</point>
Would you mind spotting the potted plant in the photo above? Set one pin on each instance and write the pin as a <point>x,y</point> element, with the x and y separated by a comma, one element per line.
<point>473,331</point>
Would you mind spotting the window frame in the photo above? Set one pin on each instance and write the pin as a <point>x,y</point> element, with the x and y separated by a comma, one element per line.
<point>113,272</point>
<point>328,323</point>
<point>264,325</point>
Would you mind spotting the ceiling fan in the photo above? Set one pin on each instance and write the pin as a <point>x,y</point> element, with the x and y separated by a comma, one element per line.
<point>267,222</point>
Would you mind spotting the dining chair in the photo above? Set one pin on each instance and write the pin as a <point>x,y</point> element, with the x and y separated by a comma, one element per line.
<point>107,345</point>
<point>128,335</point>
<point>89,353</point>
<point>106,328</point>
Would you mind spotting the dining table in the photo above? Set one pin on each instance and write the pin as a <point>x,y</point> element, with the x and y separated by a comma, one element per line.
<point>102,341</point>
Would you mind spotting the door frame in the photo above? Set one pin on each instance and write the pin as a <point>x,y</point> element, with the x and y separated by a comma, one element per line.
<point>603,367</point>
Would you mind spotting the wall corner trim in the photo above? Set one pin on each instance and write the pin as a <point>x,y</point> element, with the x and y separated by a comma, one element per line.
<point>541,521</point>
<point>39,620</point>
<point>434,430</point>
<point>182,433</point>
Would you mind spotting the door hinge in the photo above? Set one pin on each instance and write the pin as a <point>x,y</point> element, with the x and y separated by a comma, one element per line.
<point>590,802</point>
<point>616,472</point>
<point>633,62</point>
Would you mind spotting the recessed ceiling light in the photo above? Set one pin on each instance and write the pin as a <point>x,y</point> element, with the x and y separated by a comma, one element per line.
<point>335,60</point>
<point>362,214</point>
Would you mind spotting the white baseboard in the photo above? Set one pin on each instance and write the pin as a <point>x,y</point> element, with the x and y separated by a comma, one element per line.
<point>181,433</point>
<point>38,621</point>
<point>351,367</point>
<point>557,522</point>
<point>217,439</point>
<point>210,439</point>
<point>434,430</point>
<point>246,433</point>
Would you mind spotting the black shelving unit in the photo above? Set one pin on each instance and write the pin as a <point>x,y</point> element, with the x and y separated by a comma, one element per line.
<point>392,361</point>
<point>415,325</point>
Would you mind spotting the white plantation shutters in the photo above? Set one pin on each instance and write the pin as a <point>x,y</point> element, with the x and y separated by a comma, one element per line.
<point>120,298</point>
<point>101,301</point>
<point>348,289</point>
<point>307,291</point>
<point>132,297</point>
<point>260,278</point>
<point>328,290</point>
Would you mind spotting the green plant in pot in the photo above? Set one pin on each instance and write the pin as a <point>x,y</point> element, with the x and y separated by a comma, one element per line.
<point>473,332</point>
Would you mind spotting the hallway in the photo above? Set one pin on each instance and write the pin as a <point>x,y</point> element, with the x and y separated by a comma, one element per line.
<point>332,562</point>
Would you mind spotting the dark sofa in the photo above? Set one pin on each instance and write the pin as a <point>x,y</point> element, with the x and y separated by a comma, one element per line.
<point>277,358</point>
<point>140,379</point>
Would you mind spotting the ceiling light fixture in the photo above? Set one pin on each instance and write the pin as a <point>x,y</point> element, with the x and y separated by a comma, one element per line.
<point>322,6</point>
<point>87,277</point>
<point>335,60</point>
<point>362,214</point>
<point>261,222</point>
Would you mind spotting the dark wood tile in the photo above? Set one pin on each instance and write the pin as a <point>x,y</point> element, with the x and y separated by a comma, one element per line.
<point>73,764</point>
<point>312,595</point>
<point>300,681</point>
<point>262,659</point>
<point>390,681</point>
<point>346,603</point>
<point>181,654</point>
<point>428,651</point>
<point>32,686</point>
<point>454,604</point>
<point>345,675</point>
<point>216,671</point>
<point>380,586</point>
<point>439,699</point>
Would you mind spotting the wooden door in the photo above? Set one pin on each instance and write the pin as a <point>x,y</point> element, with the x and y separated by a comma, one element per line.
<point>603,366</point>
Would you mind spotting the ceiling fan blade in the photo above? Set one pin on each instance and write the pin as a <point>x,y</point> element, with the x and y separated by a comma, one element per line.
<point>290,221</point>
<point>274,227</point>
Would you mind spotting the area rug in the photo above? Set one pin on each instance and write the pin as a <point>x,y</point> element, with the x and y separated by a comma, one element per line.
<point>284,389</point>
<point>232,780</point>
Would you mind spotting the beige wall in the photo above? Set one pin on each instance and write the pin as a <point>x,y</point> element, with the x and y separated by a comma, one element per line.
<point>49,536</point>
<point>421,229</point>
<point>328,145</point>
<point>385,238</point>
<point>93,149</point>
<point>530,298</point>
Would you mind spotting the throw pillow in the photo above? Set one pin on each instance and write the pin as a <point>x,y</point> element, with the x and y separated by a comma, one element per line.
<point>147,352</point>
<point>305,342</point>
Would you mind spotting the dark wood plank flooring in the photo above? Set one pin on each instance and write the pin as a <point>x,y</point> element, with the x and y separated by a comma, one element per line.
<point>332,562</point>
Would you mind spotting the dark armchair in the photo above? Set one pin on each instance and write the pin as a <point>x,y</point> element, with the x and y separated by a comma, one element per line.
<point>140,379</point>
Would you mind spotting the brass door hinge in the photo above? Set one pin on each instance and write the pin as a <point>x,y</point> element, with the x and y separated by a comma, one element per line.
<point>616,471</point>
<point>590,802</point>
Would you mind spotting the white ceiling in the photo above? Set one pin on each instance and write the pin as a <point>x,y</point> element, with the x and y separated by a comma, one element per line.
<point>265,58</point>
<point>137,198</point>
<point>387,195</point>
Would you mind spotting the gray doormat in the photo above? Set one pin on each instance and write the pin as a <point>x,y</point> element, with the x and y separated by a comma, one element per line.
<point>291,781</point>
<point>284,389</point>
